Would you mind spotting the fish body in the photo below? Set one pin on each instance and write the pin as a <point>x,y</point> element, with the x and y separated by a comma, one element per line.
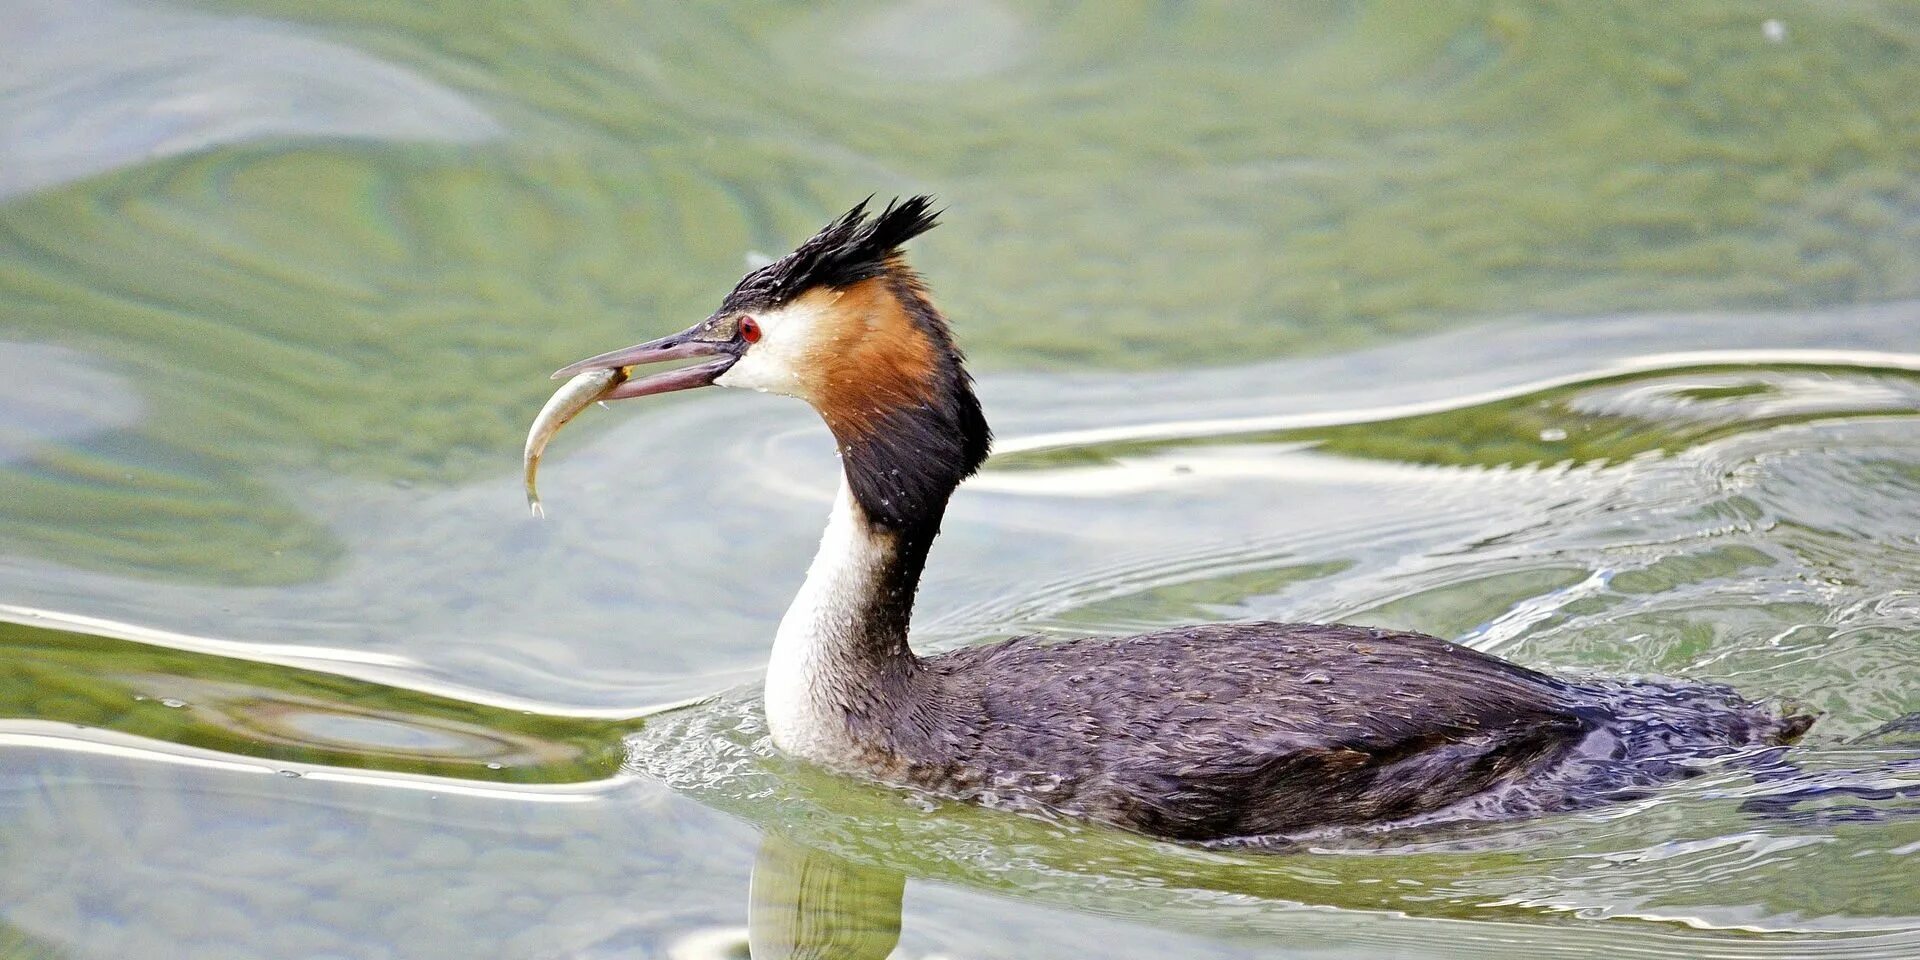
<point>573,396</point>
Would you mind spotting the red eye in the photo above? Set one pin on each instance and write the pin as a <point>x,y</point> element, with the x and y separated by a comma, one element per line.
<point>749,330</point>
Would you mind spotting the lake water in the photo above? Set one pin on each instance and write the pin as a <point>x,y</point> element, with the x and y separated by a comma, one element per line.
<point>1584,334</point>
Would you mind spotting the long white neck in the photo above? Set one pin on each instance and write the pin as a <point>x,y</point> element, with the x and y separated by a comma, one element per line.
<point>842,645</point>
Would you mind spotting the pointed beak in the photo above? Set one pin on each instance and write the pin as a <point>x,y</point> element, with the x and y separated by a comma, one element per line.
<point>688,344</point>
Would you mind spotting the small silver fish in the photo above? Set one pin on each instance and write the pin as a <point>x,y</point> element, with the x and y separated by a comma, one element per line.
<point>573,396</point>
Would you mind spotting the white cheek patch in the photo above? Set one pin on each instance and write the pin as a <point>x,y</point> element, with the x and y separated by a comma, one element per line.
<point>789,337</point>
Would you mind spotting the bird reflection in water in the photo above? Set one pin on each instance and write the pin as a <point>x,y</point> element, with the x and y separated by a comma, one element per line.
<point>806,904</point>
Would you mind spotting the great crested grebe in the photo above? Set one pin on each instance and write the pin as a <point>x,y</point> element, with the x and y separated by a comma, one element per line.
<point>1216,732</point>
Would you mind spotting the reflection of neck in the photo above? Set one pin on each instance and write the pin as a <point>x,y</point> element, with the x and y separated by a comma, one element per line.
<point>808,905</point>
<point>841,655</point>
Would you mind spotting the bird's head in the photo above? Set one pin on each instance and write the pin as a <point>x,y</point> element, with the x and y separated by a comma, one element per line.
<point>843,323</point>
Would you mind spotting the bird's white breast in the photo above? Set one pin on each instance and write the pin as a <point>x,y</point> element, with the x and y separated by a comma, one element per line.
<point>815,651</point>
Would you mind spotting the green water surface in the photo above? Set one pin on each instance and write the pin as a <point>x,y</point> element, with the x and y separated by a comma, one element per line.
<point>1588,334</point>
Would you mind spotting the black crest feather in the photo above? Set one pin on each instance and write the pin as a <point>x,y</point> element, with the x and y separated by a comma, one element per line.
<point>903,467</point>
<point>854,247</point>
